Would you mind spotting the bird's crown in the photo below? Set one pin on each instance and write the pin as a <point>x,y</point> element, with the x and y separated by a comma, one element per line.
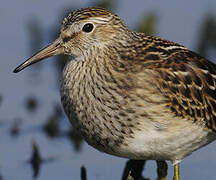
<point>86,13</point>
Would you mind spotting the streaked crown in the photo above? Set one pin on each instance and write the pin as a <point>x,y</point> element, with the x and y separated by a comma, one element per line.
<point>88,13</point>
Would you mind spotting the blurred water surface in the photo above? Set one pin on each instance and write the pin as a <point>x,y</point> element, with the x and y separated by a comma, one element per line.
<point>30,100</point>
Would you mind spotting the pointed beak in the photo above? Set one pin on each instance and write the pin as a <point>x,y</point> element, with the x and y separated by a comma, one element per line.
<point>53,49</point>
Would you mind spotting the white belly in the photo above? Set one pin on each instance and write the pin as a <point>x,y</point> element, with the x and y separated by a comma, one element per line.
<point>171,144</point>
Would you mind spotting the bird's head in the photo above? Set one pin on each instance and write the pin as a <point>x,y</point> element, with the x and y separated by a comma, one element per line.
<point>81,32</point>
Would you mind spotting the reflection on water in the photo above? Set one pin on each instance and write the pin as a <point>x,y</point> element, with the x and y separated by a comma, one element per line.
<point>49,127</point>
<point>75,139</point>
<point>31,104</point>
<point>83,173</point>
<point>15,128</point>
<point>35,160</point>
<point>52,125</point>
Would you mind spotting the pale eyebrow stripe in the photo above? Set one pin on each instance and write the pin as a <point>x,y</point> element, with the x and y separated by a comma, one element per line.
<point>99,19</point>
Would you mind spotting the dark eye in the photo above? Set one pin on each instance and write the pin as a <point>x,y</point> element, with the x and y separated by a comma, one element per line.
<point>88,27</point>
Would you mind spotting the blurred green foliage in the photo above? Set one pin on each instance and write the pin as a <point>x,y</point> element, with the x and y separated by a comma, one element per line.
<point>36,33</point>
<point>148,24</point>
<point>207,35</point>
<point>107,4</point>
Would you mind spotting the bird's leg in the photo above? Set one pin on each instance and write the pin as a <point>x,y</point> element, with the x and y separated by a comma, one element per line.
<point>133,169</point>
<point>161,170</point>
<point>176,172</point>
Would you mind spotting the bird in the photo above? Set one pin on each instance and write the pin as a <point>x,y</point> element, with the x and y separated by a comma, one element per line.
<point>130,94</point>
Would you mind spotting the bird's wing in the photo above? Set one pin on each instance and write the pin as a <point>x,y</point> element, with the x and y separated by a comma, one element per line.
<point>189,82</point>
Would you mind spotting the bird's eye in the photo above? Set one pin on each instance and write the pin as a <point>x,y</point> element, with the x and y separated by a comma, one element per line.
<point>88,27</point>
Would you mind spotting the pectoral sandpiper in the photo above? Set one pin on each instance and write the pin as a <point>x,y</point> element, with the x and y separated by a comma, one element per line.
<point>133,95</point>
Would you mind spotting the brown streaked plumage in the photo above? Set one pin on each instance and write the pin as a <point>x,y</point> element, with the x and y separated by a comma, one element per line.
<point>84,13</point>
<point>132,95</point>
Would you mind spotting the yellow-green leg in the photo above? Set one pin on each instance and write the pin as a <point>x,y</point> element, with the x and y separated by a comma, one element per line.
<point>161,170</point>
<point>176,172</point>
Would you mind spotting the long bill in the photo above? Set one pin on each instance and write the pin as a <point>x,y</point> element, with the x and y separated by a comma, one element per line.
<point>51,50</point>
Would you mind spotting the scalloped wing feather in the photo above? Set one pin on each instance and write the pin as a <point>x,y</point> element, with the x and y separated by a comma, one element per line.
<point>189,82</point>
